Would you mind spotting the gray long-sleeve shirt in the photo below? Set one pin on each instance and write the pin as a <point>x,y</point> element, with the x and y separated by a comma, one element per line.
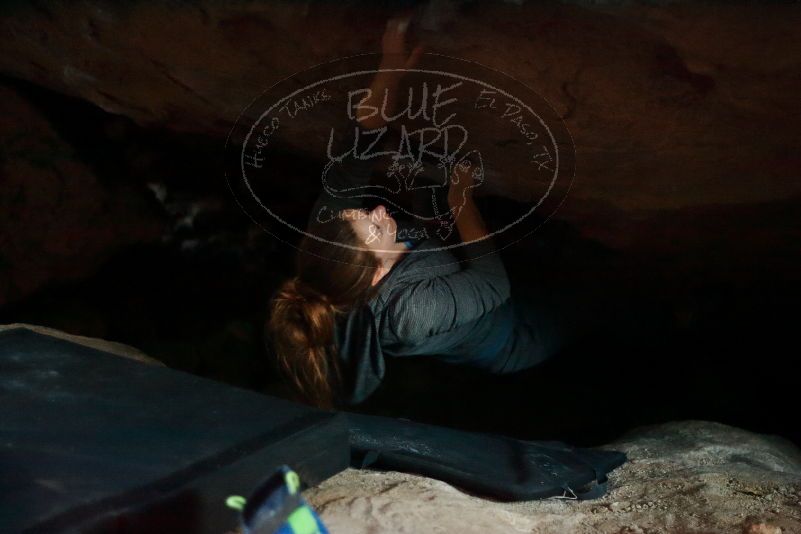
<point>429,303</point>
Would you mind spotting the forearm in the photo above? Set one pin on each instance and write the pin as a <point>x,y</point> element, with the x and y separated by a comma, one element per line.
<point>480,252</point>
<point>469,222</point>
<point>380,100</point>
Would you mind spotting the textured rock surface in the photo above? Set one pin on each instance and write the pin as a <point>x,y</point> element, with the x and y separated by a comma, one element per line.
<point>58,220</point>
<point>687,477</point>
<point>673,107</point>
<point>112,347</point>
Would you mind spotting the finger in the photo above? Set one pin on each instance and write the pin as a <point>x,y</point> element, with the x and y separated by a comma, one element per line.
<point>402,25</point>
<point>398,24</point>
<point>414,57</point>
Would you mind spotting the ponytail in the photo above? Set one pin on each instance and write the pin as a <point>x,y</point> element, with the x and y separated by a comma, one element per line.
<point>331,280</point>
<point>301,327</point>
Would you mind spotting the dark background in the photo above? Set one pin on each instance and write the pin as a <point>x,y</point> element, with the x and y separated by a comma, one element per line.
<point>682,226</point>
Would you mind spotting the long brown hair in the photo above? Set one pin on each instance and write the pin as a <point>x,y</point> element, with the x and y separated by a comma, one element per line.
<point>331,279</point>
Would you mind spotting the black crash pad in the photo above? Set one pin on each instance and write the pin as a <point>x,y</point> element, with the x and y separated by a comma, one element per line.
<point>487,464</point>
<point>95,442</point>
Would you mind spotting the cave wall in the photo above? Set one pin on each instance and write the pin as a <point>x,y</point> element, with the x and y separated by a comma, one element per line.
<point>685,117</point>
<point>59,220</point>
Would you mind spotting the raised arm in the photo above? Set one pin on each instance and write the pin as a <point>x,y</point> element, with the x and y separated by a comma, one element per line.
<point>442,303</point>
<point>384,87</point>
<point>368,113</point>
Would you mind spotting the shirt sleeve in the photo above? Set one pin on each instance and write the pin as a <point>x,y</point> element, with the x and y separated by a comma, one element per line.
<point>360,355</point>
<point>441,303</point>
